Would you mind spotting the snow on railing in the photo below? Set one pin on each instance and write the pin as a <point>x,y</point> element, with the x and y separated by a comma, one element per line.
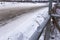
<point>25,30</point>
<point>26,26</point>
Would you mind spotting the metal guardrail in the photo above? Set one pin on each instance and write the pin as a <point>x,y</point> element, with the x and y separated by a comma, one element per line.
<point>38,31</point>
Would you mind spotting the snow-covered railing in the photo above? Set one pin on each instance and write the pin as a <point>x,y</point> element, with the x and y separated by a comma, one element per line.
<point>25,27</point>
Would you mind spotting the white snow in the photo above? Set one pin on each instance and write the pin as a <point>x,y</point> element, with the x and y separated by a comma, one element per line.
<point>7,9</point>
<point>21,5</point>
<point>25,26</point>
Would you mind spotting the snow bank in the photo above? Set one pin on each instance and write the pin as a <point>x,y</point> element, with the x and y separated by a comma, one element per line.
<point>25,27</point>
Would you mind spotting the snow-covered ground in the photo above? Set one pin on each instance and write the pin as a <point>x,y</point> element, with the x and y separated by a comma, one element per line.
<point>26,26</point>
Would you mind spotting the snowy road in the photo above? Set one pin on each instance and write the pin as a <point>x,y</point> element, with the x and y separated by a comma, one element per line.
<point>24,26</point>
